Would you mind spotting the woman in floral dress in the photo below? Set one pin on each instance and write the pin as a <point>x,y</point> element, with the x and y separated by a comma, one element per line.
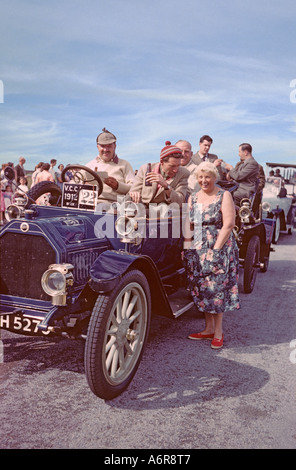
<point>211,253</point>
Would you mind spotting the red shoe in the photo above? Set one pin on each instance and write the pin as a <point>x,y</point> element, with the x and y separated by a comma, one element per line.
<point>201,336</point>
<point>217,343</point>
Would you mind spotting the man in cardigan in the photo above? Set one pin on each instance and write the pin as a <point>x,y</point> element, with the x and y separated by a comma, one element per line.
<point>169,180</point>
<point>245,173</point>
<point>120,174</point>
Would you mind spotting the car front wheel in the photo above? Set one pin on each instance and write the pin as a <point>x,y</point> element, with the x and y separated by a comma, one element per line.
<point>117,334</point>
<point>251,264</point>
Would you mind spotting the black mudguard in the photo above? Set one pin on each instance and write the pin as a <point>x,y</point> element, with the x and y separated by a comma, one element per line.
<point>111,265</point>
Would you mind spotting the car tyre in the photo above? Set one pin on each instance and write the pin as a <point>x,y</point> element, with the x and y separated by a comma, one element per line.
<point>264,266</point>
<point>251,264</point>
<point>277,230</point>
<point>291,220</point>
<point>41,188</point>
<point>117,334</point>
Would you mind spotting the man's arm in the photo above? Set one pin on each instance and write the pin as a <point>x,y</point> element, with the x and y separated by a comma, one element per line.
<point>243,172</point>
<point>129,177</point>
<point>179,192</point>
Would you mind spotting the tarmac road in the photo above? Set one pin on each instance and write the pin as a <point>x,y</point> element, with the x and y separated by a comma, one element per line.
<point>184,396</point>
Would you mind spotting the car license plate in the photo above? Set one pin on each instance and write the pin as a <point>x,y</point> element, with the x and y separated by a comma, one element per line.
<point>21,324</point>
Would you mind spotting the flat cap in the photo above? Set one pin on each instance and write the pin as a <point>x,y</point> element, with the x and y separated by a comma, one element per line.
<point>106,137</point>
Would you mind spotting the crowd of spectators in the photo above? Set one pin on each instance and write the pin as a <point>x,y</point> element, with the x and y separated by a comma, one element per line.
<point>24,181</point>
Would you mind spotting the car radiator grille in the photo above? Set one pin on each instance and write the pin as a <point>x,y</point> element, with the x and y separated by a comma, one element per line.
<point>82,262</point>
<point>23,260</point>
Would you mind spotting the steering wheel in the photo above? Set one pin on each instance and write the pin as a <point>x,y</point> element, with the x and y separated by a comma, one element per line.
<point>82,175</point>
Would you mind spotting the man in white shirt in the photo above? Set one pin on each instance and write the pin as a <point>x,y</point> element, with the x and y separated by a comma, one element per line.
<point>120,172</point>
<point>203,155</point>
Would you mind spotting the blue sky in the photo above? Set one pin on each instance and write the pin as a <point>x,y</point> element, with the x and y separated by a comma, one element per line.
<point>149,71</point>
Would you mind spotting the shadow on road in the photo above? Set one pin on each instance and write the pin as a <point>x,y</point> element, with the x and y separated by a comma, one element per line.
<point>41,354</point>
<point>176,371</point>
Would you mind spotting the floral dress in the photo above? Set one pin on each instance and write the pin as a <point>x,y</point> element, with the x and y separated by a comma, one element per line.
<point>212,274</point>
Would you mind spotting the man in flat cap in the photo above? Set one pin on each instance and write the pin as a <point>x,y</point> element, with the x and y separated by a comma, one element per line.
<point>166,181</point>
<point>120,172</point>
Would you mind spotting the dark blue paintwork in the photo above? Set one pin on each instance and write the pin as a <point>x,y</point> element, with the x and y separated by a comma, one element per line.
<point>99,260</point>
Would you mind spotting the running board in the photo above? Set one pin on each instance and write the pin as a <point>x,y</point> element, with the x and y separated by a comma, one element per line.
<point>183,309</point>
<point>180,301</point>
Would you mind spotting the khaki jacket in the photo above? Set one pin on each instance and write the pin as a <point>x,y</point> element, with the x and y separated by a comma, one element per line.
<point>157,194</point>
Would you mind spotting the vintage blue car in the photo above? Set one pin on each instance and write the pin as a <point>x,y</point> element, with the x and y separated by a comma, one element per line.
<point>79,271</point>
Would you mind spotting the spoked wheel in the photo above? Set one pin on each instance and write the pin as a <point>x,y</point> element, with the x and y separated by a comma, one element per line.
<point>251,264</point>
<point>52,191</point>
<point>117,333</point>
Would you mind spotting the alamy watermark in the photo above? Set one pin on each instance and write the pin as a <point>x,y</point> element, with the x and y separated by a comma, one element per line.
<point>1,92</point>
<point>135,221</point>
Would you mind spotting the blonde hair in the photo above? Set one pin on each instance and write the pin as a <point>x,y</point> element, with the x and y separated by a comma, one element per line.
<point>207,167</point>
